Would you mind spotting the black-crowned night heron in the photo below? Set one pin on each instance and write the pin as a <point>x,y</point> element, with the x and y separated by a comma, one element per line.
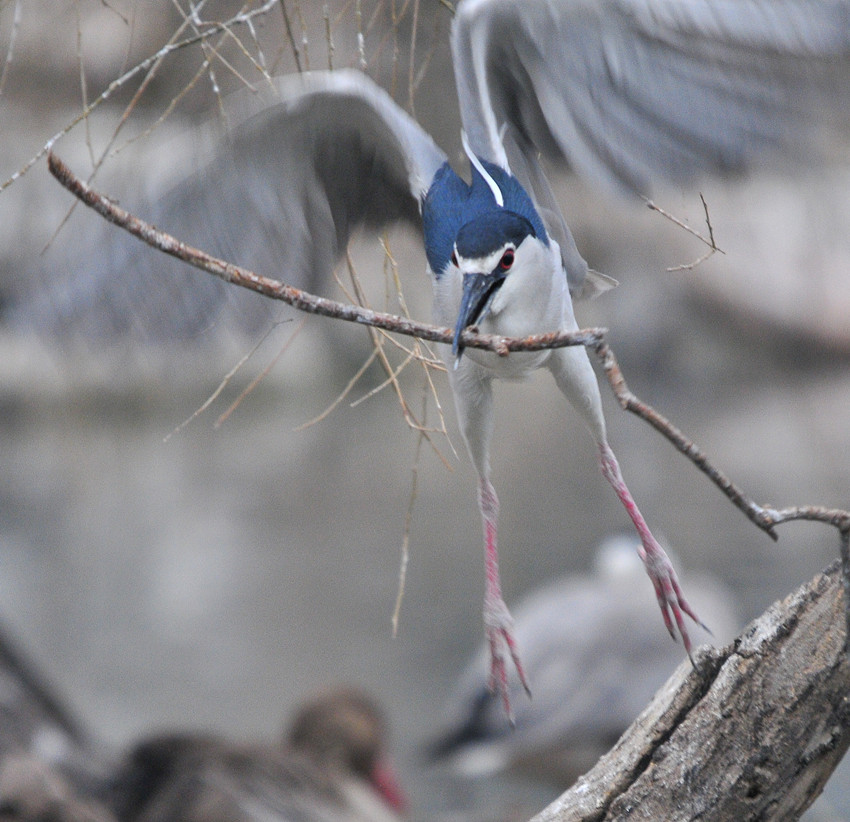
<point>627,91</point>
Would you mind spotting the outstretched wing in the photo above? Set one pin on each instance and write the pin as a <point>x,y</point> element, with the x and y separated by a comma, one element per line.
<point>631,92</point>
<point>303,165</point>
<point>634,92</point>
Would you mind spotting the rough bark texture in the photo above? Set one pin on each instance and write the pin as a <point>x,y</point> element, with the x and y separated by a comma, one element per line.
<point>752,733</point>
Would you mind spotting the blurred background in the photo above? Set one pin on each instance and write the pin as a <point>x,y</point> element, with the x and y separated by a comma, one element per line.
<point>214,578</point>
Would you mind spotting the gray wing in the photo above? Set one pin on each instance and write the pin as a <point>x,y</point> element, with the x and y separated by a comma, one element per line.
<point>302,166</point>
<point>631,92</point>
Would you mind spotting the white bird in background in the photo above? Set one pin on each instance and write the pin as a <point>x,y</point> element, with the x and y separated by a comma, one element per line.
<point>628,92</point>
<point>595,661</point>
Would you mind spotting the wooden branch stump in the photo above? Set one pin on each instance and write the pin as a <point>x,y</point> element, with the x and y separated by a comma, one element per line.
<point>753,733</point>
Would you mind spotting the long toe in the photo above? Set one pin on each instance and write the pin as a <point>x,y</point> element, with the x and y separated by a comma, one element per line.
<point>671,598</point>
<point>502,643</point>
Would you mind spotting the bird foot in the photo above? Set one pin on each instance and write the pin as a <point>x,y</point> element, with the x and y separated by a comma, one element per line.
<point>668,591</point>
<point>499,625</point>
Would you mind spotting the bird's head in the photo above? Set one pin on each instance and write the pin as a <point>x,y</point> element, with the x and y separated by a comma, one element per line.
<point>486,250</point>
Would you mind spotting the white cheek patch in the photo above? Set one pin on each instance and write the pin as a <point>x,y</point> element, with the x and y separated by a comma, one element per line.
<point>482,265</point>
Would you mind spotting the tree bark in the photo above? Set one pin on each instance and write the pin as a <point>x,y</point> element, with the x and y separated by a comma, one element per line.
<point>753,732</point>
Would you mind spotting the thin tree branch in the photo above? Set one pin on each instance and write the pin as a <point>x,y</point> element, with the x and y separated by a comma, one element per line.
<point>296,297</point>
<point>10,49</point>
<point>261,376</point>
<point>221,386</point>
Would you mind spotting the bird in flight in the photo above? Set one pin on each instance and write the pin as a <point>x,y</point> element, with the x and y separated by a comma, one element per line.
<point>628,92</point>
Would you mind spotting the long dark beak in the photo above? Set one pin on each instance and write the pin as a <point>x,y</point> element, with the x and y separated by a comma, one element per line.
<point>478,291</point>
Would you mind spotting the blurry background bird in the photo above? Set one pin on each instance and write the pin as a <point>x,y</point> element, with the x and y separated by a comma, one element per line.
<point>596,661</point>
<point>331,765</point>
<point>186,550</point>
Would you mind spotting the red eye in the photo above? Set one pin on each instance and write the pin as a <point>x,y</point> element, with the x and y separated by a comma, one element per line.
<point>454,259</point>
<point>507,259</point>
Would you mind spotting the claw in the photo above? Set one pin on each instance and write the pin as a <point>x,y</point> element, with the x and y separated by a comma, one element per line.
<point>499,628</point>
<point>668,592</point>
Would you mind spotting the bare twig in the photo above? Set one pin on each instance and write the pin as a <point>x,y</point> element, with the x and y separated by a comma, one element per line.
<point>342,394</point>
<point>329,39</point>
<point>261,376</point>
<point>709,241</point>
<point>411,74</point>
<point>361,40</point>
<point>377,337</point>
<point>305,40</point>
<point>766,518</point>
<point>421,352</point>
<point>221,386</point>
<point>115,85</point>
<point>296,51</point>
<point>404,556</point>
<point>10,49</point>
<point>84,88</point>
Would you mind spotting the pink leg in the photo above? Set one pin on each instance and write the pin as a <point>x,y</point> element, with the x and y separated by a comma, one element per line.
<point>671,600</point>
<point>498,622</point>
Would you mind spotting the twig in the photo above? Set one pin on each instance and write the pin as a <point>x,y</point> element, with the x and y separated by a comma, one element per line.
<point>377,338</point>
<point>116,84</point>
<point>261,376</point>
<point>709,241</point>
<point>594,339</point>
<point>404,557</point>
<point>362,64</point>
<point>221,386</point>
<point>428,360</point>
<point>10,49</point>
<point>412,59</point>
<point>342,394</point>
<point>296,51</point>
<point>84,87</point>
<point>326,13</point>
<point>305,40</point>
